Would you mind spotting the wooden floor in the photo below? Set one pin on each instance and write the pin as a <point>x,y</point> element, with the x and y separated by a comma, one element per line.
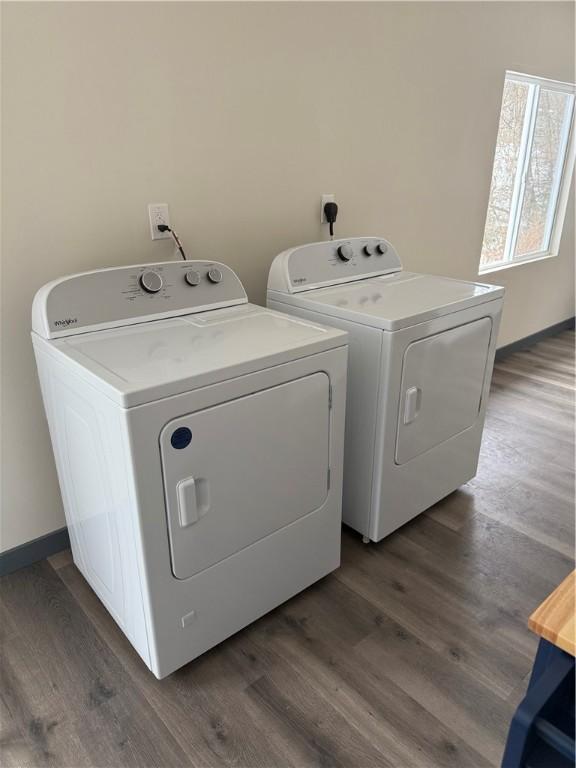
<point>414,653</point>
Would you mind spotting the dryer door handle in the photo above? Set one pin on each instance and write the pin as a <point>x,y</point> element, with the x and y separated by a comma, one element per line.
<point>193,500</point>
<point>412,403</point>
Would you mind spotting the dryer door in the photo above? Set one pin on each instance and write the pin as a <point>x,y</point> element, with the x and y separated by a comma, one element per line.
<point>441,390</point>
<point>239,471</point>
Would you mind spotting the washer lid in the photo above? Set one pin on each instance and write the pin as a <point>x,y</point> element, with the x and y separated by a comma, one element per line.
<point>397,300</point>
<point>140,363</point>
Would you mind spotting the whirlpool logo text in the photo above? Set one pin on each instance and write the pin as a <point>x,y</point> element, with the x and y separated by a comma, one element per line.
<point>66,322</point>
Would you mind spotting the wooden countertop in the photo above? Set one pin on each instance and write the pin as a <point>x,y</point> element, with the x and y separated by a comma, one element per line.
<point>554,619</point>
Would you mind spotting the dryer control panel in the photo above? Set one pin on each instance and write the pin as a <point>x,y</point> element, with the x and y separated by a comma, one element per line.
<point>328,263</point>
<point>108,298</point>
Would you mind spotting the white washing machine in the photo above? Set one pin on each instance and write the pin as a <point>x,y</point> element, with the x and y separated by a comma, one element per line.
<point>198,440</point>
<point>421,352</point>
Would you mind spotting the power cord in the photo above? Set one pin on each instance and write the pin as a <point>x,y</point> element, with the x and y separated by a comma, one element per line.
<point>331,213</point>
<point>166,228</point>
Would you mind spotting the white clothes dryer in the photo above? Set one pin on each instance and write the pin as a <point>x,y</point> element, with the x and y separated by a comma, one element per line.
<point>198,441</point>
<point>421,353</point>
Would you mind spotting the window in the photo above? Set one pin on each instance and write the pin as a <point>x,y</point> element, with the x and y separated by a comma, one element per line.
<point>532,169</point>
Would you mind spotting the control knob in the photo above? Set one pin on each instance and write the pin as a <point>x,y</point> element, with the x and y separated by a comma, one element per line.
<point>381,248</point>
<point>192,277</point>
<point>214,275</point>
<point>368,250</point>
<point>150,281</point>
<point>345,252</point>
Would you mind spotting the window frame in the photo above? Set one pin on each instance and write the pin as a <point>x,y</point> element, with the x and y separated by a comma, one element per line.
<point>562,177</point>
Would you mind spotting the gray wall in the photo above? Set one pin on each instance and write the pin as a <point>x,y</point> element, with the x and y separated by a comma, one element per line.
<point>239,116</point>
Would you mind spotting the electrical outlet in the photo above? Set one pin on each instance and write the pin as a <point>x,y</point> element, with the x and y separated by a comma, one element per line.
<point>158,214</point>
<point>325,199</point>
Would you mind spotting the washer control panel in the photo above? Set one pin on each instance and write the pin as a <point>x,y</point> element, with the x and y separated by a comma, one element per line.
<point>109,298</point>
<point>328,263</point>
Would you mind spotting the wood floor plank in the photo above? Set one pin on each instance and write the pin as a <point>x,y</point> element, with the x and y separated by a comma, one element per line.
<point>510,451</point>
<point>481,552</point>
<point>110,718</point>
<point>60,559</point>
<point>41,729</point>
<point>536,367</point>
<point>541,515</point>
<point>48,733</point>
<point>548,394</point>
<point>440,616</point>
<point>549,360</point>
<point>201,704</point>
<point>310,720</point>
<point>212,690</point>
<point>14,749</point>
<point>446,691</point>
<point>402,729</point>
<point>563,383</point>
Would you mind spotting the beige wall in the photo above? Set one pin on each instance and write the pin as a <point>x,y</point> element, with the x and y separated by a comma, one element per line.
<point>240,116</point>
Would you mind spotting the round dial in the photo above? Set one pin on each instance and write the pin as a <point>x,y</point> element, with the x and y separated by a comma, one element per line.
<point>381,248</point>
<point>214,275</point>
<point>150,281</point>
<point>192,277</point>
<point>368,250</point>
<point>345,252</point>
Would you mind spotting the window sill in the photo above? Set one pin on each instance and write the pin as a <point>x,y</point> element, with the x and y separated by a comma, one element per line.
<point>517,263</point>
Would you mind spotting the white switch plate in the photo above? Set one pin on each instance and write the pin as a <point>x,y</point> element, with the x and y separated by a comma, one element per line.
<point>158,214</point>
<point>325,199</point>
